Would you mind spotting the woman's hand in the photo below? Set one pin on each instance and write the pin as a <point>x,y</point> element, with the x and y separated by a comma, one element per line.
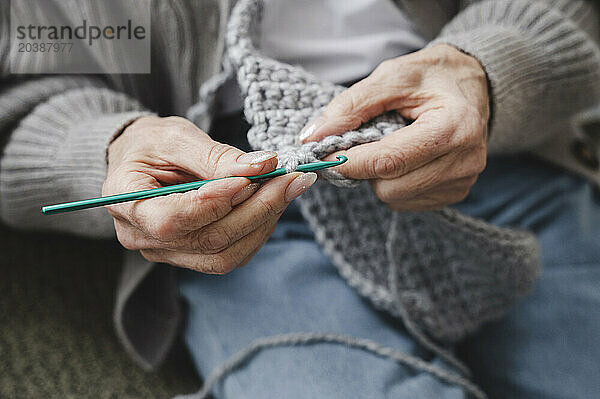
<point>213,229</point>
<point>435,160</point>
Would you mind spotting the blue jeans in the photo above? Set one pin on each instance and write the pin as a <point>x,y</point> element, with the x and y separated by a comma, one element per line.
<point>547,346</point>
<point>543,348</point>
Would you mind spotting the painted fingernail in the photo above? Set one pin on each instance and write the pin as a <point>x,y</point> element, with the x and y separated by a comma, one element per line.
<point>256,157</point>
<point>299,185</point>
<point>244,193</point>
<point>310,129</point>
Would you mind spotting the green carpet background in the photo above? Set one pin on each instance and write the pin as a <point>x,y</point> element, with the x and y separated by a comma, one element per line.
<point>56,334</point>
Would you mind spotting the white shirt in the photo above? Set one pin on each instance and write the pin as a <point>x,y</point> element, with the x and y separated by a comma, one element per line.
<point>337,40</point>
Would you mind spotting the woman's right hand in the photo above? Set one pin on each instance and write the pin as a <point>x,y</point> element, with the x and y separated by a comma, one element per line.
<point>213,229</point>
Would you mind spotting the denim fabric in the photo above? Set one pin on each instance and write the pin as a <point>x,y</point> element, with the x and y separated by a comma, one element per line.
<point>543,348</point>
<point>290,286</point>
<point>547,346</point>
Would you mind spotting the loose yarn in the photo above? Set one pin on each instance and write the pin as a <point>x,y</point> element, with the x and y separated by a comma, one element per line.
<point>304,339</point>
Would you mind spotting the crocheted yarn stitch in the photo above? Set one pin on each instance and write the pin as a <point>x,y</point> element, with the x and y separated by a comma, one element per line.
<point>440,271</point>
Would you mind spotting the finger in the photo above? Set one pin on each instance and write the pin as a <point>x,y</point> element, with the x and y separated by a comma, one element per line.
<point>359,103</point>
<point>399,152</point>
<point>463,183</point>
<point>172,216</point>
<point>269,229</point>
<point>133,238</point>
<point>213,160</point>
<point>266,205</point>
<point>431,201</point>
<point>244,194</point>
<point>451,169</point>
<point>219,263</point>
<point>184,145</point>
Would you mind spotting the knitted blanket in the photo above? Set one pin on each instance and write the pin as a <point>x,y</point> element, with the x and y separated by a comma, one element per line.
<point>443,273</point>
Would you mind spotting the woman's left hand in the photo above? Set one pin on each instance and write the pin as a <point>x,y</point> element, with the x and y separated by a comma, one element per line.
<point>435,160</point>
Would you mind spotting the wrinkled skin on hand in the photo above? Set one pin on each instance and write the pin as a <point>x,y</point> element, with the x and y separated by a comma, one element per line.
<point>214,229</point>
<point>432,162</point>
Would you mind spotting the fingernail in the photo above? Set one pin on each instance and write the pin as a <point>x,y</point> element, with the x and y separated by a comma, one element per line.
<point>310,129</point>
<point>244,193</point>
<point>299,185</point>
<point>256,157</point>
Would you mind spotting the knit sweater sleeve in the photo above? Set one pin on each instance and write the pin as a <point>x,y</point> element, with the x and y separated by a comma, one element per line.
<point>542,61</point>
<point>56,132</point>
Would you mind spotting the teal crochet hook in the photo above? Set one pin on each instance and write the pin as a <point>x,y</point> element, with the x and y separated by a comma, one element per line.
<point>178,188</point>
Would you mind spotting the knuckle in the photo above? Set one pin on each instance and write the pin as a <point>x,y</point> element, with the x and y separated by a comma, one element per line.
<point>457,196</point>
<point>353,101</point>
<point>470,127</point>
<point>463,115</point>
<point>213,240</point>
<point>383,194</point>
<point>163,230</point>
<point>215,209</point>
<point>127,241</point>
<point>386,67</point>
<point>218,151</point>
<point>176,126</point>
<point>387,165</point>
<point>344,105</point>
<point>349,108</point>
<point>477,164</point>
<point>445,136</point>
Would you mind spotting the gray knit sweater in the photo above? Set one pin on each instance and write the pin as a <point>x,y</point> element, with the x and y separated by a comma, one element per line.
<point>543,64</point>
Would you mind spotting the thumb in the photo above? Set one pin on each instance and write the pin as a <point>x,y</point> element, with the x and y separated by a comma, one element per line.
<point>396,154</point>
<point>356,105</point>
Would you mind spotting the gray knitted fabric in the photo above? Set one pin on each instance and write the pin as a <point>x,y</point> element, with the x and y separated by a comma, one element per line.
<point>441,271</point>
<point>536,55</point>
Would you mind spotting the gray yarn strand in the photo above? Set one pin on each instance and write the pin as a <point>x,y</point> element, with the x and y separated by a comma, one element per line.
<point>301,339</point>
<point>199,112</point>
